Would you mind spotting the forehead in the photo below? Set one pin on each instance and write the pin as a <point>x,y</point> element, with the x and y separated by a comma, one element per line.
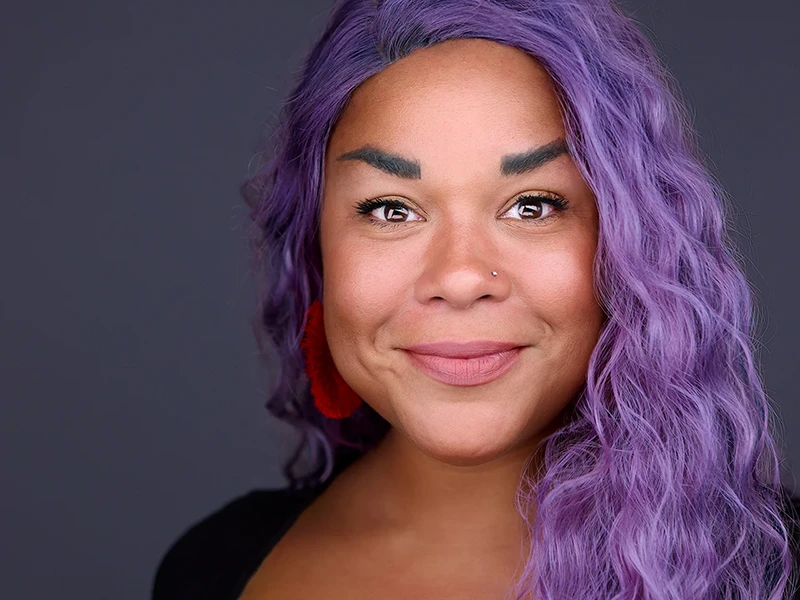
<point>459,94</point>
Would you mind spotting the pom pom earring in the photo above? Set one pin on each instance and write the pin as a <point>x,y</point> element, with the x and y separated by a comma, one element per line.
<point>332,396</point>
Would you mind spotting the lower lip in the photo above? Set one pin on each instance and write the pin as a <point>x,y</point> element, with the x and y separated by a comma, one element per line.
<point>466,371</point>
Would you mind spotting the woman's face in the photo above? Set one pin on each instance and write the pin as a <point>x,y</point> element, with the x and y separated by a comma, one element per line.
<point>454,113</point>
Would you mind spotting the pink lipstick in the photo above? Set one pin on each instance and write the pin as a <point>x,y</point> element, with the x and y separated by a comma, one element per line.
<point>465,364</point>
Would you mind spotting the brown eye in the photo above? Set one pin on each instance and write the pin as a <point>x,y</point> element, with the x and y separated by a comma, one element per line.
<point>530,207</point>
<point>395,211</point>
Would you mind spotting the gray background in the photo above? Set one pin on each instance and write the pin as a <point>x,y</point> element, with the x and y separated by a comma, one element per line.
<point>132,397</point>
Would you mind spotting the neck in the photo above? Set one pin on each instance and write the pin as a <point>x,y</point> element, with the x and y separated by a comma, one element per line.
<point>397,490</point>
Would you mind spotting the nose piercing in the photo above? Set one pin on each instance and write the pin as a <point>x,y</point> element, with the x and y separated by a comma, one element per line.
<point>494,273</point>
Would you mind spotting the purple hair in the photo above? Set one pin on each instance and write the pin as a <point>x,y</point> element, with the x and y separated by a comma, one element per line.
<point>664,481</point>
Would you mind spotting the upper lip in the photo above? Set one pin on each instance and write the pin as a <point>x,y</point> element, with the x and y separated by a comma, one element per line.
<point>463,349</point>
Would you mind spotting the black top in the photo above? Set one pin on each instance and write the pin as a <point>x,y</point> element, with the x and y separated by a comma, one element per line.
<point>215,558</point>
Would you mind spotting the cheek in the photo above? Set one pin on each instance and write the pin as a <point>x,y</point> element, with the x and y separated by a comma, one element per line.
<point>571,283</point>
<point>360,294</point>
<point>557,276</point>
<point>362,280</point>
<point>561,290</point>
<point>579,330</point>
<point>359,297</point>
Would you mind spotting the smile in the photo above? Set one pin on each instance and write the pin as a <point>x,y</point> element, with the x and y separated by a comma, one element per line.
<point>477,370</point>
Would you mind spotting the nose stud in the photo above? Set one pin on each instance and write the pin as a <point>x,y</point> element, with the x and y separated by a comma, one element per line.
<point>494,273</point>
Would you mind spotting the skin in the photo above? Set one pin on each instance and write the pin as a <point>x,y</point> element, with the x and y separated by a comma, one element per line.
<point>442,483</point>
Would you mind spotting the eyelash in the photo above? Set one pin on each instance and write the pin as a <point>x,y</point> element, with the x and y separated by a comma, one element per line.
<point>368,205</point>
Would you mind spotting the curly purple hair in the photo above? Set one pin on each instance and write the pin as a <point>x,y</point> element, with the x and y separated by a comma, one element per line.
<point>664,481</point>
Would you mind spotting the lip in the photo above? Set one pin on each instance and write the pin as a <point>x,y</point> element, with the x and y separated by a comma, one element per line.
<point>476,370</point>
<point>466,349</point>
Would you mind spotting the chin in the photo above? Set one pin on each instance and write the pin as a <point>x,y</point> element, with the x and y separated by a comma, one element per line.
<point>463,442</point>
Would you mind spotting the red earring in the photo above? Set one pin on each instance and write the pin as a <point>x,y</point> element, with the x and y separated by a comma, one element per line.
<point>332,396</point>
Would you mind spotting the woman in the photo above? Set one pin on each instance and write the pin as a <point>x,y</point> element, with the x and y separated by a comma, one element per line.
<point>488,240</point>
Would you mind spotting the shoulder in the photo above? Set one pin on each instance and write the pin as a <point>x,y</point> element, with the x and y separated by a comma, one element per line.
<point>212,556</point>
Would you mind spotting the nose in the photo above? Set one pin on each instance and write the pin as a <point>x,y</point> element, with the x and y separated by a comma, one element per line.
<point>459,269</point>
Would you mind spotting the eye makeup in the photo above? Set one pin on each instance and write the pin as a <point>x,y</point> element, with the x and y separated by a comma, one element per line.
<point>557,204</point>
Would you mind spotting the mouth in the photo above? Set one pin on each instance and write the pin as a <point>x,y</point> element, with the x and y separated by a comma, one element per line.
<point>466,371</point>
<point>463,349</point>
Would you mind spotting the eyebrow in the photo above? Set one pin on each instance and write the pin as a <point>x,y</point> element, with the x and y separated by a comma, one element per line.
<point>511,164</point>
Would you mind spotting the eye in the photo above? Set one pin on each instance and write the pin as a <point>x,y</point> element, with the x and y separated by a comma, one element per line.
<point>396,210</point>
<point>555,205</point>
